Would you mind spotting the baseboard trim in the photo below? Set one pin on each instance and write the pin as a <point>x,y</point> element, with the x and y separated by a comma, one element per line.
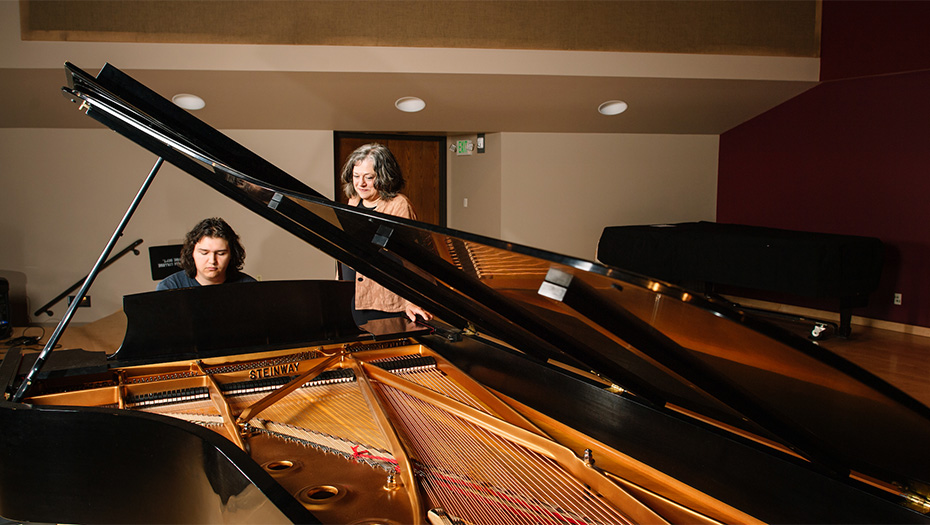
<point>812,313</point>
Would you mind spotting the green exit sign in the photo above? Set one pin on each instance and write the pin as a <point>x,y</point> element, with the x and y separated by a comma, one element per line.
<point>463,147</point>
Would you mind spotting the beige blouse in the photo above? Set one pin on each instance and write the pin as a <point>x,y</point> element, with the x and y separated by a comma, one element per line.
<point>370,295</point>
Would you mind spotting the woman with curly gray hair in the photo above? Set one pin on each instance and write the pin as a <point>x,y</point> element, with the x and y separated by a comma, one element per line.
<point>372,180</point>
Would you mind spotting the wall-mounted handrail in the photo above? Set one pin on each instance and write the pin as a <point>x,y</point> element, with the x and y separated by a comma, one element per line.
<point>62,295</point>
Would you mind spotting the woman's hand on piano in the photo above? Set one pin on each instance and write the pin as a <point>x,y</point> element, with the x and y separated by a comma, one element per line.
<point>413,311</point>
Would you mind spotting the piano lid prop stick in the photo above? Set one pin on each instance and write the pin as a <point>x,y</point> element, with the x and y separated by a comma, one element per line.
<point>56,335</point>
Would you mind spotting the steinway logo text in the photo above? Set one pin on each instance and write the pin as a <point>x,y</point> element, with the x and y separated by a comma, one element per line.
<point>273,371</point>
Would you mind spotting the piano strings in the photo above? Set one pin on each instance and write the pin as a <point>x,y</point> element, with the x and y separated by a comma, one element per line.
<point>486,262</point>
<point>474,473</point>
<point>481,477</point>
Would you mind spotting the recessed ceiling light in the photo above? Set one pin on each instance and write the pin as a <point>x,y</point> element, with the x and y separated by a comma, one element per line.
<point>612,107</point>
<point>410,104</point>
<point>186,101</point>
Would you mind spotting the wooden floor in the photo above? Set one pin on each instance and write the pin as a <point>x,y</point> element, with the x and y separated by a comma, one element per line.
<point>901,359</point>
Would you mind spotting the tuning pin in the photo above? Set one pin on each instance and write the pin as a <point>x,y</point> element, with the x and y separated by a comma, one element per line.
<point>588,458</point>
<point>391,483</point>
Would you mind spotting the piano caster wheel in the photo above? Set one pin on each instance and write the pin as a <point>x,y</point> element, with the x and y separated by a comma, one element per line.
<point>818,330</point>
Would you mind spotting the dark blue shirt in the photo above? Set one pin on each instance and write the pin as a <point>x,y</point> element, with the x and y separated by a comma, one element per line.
<point>180,279</point>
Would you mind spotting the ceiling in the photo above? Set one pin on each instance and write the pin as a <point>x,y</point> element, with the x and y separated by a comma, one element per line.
<point>699,84</point>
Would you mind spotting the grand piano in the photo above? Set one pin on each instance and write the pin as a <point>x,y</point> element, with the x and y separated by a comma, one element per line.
<point>547,390</point>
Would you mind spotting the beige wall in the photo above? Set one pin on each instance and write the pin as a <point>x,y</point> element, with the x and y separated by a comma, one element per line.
<point>559,191</point>
<point>477,179</point>
<point>65,191</point>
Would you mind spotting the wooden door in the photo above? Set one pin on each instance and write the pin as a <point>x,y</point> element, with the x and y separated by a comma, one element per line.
<point>422,160</point>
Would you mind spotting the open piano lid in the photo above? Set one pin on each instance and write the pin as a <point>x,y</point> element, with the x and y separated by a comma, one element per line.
<point>657,342</point>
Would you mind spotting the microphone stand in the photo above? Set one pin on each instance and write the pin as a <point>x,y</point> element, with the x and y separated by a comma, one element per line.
<point>124,251</point>
<point>56,335</point>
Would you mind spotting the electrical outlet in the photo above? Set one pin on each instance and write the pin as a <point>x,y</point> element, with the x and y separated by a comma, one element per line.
<point>897,299</point>
<point>85,301</point>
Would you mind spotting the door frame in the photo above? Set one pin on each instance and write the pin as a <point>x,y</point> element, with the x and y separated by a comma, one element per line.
<point>440,140</point>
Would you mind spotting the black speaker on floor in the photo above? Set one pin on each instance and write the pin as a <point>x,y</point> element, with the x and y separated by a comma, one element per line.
<point>6,322</point>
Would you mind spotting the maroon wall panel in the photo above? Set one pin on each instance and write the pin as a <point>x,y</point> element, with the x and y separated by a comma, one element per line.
<point>850,156</point>
<point>860,38</point>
